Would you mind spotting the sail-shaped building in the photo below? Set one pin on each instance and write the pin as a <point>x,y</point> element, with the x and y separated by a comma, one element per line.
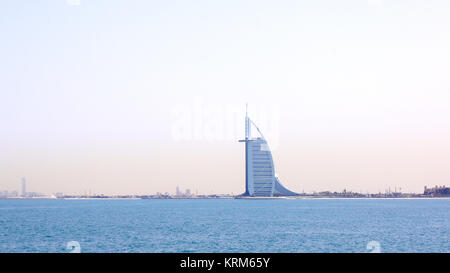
<point>260,178</point>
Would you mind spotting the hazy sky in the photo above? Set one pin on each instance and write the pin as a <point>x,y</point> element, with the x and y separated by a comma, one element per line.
<point>127,96</point>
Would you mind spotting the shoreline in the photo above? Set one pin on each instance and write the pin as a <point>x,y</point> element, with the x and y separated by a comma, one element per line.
<point>231,197</point>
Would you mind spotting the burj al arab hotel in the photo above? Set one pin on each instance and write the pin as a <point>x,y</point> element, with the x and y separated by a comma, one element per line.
<point>260,178</point>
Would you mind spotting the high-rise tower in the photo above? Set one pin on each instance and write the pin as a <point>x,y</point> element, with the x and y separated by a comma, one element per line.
<point>260,179</point>
<point>24,187</point>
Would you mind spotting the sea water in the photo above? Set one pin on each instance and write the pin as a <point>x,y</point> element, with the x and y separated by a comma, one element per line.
<point>225,225</point>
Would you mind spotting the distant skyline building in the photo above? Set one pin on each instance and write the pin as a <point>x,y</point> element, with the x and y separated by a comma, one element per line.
<point>260,178</point>
<point>24,187</point>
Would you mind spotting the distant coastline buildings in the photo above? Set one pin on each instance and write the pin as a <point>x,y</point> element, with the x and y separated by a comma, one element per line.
<point>23,193</point>
<point>180,194</point>
<point>437,191</point>
<point>260,181</point>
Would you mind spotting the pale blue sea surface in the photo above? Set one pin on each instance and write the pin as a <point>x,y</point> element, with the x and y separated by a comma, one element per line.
<point>226,225</point>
